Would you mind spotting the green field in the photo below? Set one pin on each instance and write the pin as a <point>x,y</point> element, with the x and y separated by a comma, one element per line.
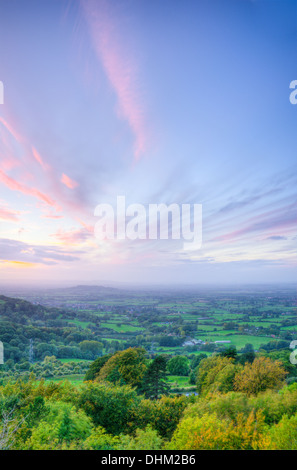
<point>121,329</point>
<point>75,379</point>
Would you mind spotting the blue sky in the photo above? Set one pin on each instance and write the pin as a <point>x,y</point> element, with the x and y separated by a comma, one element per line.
<point>163,101</point>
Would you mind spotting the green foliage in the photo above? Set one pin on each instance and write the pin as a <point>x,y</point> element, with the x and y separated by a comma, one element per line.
<point>263,373</point>
<point>102,416</point>
<point>109,406</point>
<point>92,347</point>
<point>216,374</point>
<point>99,439</point>
<point>178,365</point>
<point>225,406</point>
<point>283,435</point>
<point>62,425</point>
<point>231,412</point>
<point>195,361</point>
<point>222,374</point>
<point>283,356</point>
<point>163,414</point>
<point>144,439</point>
<point>229,351</point>
<point>208,432</point>
<point>125,368</point>
<point>272,404</point>
<point>96,366</point>
<point>154,381</point>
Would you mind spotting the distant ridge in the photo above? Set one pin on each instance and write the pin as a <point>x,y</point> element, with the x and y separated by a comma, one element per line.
<point>86,288</point>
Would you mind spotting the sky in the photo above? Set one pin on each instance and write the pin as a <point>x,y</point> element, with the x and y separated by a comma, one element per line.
<point>160,102</point>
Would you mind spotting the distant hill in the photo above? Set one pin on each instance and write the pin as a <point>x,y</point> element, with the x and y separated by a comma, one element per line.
<point>21,311</point>
<point>94,288</point>
<point>85,290</point>
<point>54,331</point>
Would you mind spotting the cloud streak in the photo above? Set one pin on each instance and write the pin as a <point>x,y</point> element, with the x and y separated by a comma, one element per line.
<point>283,218</point>
<point>9,215</point>
<point>20,252</point>
<point>18,154</point>
<point>14,185</point>
<point>119,66</point>
<point>72,237</point>
<point>39,159</point>
<point>70,183</point>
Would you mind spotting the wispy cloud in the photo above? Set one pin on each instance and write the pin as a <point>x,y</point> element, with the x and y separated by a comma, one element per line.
<point>20,252</point>
<point>24,169</point>
<point>14,185</point>
<point>11,129</point>
<point>282,218</point>
<point>276,237</point>
<point>70,183</point>
<point>72,237</point>
<point>39,159</point>
<point>119,65</point>
<point>9,215</point>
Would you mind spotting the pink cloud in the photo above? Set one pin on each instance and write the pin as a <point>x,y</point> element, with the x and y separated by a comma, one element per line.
<point>280,219</point>
<point>9,162</point>
<point>119,67</point>
<point>16,186</point>
<point>34,170</point>
<point>89,228</point>
<point>71,184</point>
<point>9,215</point>
<point>72,236</point>
<point>10,129</point>
<point>39,159</point>
<point>52,216</point>
<point>28,154</point>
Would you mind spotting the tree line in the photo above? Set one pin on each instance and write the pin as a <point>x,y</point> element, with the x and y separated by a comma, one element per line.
<point>124,404</point>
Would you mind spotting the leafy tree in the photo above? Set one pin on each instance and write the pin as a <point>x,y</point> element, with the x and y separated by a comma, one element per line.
<point>110,406</point>
<point>92,347</point>
<point>195,361</point>
<point>99,439</point>
<point>154,381</point>
<point>62,424</point>
<point>211,433</point>
<point>163,414</point>
<point>225,406</point>
<point>125,367</point>
<point>9,427</point>
<point>248,356</point>
<point>283,356</point>
<point>229,351</point>
<point>170,341</point>
<point>192,378</point>
<point>178,365</point>
<point>283,435</point>
<point>273,404</point>
<point>216,373</point>
<point>145,439</point>
<point>262,374</point>
<point>64,431</point>
<point>96,366</point>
